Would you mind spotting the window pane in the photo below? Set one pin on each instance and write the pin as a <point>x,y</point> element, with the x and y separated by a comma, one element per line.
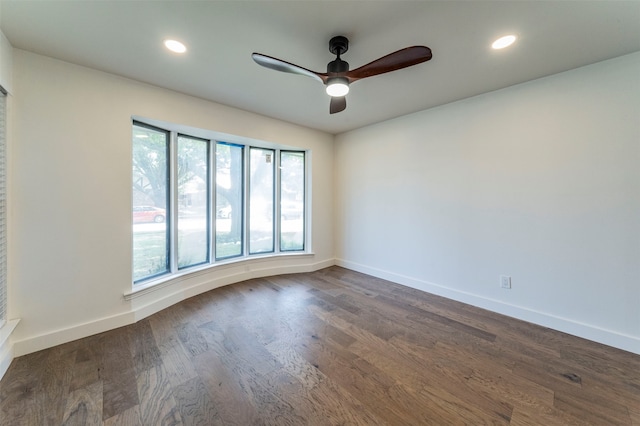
<point>261,193</point>
<point>291,201</point>
<point>193,201</point>
<point>150,202</point>
<point>229,183</point>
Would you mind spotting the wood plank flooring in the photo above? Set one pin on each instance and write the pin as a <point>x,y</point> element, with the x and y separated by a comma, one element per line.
<point>333,347</point>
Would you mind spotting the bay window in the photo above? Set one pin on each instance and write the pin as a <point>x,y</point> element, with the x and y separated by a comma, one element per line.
<point>199,201</point>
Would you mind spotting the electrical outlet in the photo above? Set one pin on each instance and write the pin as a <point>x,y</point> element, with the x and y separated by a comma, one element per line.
<point>505,281</point>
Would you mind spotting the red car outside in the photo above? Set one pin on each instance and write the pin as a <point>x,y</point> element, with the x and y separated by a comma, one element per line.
<point>142,214</point>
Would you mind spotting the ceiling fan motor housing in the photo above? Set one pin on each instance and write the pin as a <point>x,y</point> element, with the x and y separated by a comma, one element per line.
<point>337,66</point>
<point>338,45</point>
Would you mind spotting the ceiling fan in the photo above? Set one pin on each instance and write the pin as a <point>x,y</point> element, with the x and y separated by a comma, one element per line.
<point>338,77</point>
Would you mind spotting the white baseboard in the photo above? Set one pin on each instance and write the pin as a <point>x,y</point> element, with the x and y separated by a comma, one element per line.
<point>68,334</point>
<point>150,301</point>
<point>566,325</point>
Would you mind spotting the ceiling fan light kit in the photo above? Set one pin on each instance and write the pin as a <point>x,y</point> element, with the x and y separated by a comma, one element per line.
<point>338,77</point>
<point>337,86</point>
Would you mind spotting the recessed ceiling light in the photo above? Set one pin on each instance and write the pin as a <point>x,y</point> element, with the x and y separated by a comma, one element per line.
<point>175,46</point>
<point>503,42</point>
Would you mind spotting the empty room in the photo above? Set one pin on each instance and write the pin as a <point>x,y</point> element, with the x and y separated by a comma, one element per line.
<point>319,212</point>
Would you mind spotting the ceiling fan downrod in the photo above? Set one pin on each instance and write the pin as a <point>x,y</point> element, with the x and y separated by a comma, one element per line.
<point>338,45</point>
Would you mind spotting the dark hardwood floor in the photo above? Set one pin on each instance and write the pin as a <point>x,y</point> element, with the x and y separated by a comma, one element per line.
<point>324,348</point>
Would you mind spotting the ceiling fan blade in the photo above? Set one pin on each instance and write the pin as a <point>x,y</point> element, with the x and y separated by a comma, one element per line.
<point>280,65</point>
<point>394,61</point>
<point>337,104</point>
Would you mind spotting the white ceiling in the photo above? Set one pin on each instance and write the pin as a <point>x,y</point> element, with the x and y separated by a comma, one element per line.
<point>125,38</point>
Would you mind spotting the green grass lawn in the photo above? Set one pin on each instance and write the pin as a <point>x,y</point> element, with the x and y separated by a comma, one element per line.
<point>150,251</point>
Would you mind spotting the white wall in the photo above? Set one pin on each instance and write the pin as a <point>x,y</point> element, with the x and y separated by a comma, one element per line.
<point>71,251</point>
<point>539,181</point>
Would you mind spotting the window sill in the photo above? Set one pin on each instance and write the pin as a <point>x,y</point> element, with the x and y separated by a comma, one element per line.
<point>168,280</point>
<point>6,330</point>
